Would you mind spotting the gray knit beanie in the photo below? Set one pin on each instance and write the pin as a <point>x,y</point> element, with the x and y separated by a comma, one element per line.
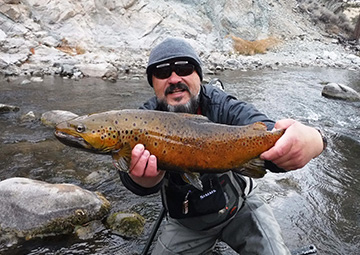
<point>173,48</point>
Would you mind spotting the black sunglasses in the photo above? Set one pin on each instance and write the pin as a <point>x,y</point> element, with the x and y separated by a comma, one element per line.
<point>181,68</point>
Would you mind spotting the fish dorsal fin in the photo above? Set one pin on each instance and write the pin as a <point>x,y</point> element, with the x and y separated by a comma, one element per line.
<point>195,117</point>
<point>193,179</point>
<point>254,168</point>
<point>122,158</point>
<point>259,126</point>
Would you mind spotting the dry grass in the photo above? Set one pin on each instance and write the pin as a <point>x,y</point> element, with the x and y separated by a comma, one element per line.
<point>245,47</point>
<point>65,47</point>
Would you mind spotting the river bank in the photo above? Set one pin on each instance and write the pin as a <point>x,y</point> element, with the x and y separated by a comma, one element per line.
<point>298,52</point>
<point>112,40</point>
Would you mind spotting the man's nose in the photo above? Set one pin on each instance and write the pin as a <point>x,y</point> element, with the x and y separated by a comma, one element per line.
<point>174,78</point>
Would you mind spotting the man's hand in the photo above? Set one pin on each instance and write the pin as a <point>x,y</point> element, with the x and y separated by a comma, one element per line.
<point>298,145</point>
<point>143,167</point>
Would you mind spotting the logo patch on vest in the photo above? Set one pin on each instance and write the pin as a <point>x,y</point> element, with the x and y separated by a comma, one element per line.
<point>208,194</point>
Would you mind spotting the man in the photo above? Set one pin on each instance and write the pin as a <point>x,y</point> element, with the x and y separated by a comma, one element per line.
<point>228,208</point>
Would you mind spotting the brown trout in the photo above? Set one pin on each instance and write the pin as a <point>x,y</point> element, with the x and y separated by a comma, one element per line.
<point>181,142</point>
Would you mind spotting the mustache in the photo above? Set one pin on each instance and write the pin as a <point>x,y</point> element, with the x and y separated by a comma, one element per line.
<point>176,86</point>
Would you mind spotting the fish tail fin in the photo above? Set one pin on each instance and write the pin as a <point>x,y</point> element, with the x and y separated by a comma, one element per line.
<point>254,168</point>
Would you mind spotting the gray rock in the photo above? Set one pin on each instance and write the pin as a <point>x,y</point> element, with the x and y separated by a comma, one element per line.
<point>28,117</point>
<point>2,35</point>
<point>26,81</point>
<point>36,79</point>
<point>89,230</point>
<point>340,91</point>
<point>97,177</point>
<point>97,70</point>
<point>50,41</point>
<point>31,208</point>
<point>51,118</point>
<point>128,224</point>
<point>67,70</point>
<point>12,1</point>
<point>5,108</point>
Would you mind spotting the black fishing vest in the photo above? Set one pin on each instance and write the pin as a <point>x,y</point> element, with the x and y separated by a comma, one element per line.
<point>222,196</point>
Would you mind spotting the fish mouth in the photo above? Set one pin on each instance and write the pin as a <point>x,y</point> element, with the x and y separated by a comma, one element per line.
<point>71,140</point>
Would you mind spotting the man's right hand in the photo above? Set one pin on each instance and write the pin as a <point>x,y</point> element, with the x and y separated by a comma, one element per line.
<point>143,167</point>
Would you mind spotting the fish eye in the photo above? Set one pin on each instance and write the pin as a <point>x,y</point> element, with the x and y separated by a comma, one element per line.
<point>80,128</point>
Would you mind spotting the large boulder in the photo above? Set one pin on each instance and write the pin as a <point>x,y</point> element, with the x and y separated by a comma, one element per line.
<point>51,118</point>
<point>340,91</point>
<point>31,208</point>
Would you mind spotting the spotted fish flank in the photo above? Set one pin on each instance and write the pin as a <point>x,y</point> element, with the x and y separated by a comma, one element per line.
<point>181,142</point>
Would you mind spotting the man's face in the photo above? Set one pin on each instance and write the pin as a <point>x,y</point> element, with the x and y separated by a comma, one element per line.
<point>178,92</point>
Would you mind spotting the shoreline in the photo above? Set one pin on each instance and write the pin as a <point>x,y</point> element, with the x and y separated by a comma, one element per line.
<point>295,53</point>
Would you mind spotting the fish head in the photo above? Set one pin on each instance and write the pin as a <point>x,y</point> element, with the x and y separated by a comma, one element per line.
<point>89,132</point>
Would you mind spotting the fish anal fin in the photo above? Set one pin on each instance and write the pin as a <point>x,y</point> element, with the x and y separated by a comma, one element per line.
<point>122,158</point>
<point>193,179</point>
<point>254,168</point>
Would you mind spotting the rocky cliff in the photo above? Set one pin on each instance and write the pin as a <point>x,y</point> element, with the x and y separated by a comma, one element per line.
<point>105,38</point>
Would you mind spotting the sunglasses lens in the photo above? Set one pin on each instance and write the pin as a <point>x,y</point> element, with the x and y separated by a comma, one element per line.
<point>184,70</point>
<point>162,72</point>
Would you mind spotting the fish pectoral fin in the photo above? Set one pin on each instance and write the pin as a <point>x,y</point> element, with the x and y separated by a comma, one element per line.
<point>122,158</point>
<point>254,168</point>
<point>193,179</point>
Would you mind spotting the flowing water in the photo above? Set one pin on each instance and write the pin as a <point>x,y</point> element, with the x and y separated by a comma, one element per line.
<point>318,204</point>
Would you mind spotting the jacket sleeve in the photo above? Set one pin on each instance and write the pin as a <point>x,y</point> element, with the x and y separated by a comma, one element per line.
<point>227,109</point>
<point>136,188</point>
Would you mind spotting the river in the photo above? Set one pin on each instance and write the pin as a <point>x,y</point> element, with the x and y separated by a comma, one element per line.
<point>317,205</point>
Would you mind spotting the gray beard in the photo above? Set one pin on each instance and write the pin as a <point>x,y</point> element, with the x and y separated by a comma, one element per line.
<point>189,107</point>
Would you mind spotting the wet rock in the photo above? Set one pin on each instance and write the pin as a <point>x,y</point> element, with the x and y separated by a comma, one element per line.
<point>28,117</point>
<point>97,177</point>
<point>31,208</point>
<point>97,70</point>
<point>67,70</point>
<point>340,91</point>
<point>126,224</point>
<point>51,118</point>
<point>5,108</point>
<point>36,79</point>
<point>89,230</point>
<point>26,81</point>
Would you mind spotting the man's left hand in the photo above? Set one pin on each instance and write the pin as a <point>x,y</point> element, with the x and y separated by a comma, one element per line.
<point>298,145</point>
